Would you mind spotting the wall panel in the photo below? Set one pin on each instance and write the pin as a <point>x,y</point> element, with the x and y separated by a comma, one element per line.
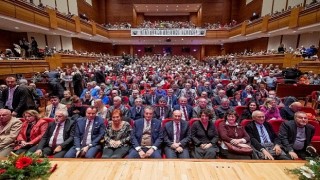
<point>50,3</point>
<point>279,5</point>
<point>293,3</point>
<point>308,39</point>
<point>255,45</point>
<point>290,41</point>
<point>62,6</point>
<point>90,46</point>
<point>246,10</point>
<point>267,7</point>
<point>274,42</point>
<point>54,41</point>
<point>66,43</point>
<point>8,38</point>
<point>73,6</point>
<point>40,38</point>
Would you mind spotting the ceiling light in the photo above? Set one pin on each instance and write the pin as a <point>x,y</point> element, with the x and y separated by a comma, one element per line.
<point>166,9</point>
<point>187,5</point>
<point>176,9</point>
<point>177,6</point>
<point>16,27</point>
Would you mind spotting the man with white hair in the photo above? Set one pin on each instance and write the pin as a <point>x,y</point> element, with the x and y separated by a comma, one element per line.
<point>117,104</point>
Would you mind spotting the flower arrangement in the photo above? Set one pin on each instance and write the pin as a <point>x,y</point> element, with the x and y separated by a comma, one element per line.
<point>26,167</point>
<point>311,170</point>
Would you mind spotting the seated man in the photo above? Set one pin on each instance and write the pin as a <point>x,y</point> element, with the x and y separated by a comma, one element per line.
<point>137,110</point>
<point>117,104</point>
<point>176,137</point>
<point>287,112</point>
<point>88,133</point>
<point>264,139</point>
<point>296,136</point>
<point>146,136</point>
<point>58,138</point>
<point>185,108</point>
<point>54,106</point>
<point>9,130</point>
<point>162,111</point>
<point>202,104</point>
<point>223,108</point>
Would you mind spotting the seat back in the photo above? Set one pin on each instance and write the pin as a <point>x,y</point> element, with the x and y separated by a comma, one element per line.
<point>276,124</point>
<point>191,121</point>
<point>163,123</point>
<point>239,109</point>
<point>316,125</point>
<point>308,110</point>
<point>217,122</point>
<point>245,122</point>
<point>49,120</point>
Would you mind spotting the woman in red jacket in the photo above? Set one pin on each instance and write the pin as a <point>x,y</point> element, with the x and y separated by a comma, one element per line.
<point>31,132</point>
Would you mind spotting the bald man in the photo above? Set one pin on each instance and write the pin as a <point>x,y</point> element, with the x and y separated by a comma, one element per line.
<point>176,137</point>
<point>287,112</point>
<point>9,130</point>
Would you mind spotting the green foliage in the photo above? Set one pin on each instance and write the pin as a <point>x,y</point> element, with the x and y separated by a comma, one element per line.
<point>311,170</point>
<point>25,167</point>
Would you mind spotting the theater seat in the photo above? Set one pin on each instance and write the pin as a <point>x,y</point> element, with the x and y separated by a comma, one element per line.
<point>217,122</point>
<point>245,122</point>
<point>308,110</point>
<point>49,120</point>
<point>276,124</point>
<point>191,121</point>
<point>239,109</point>
<point>163,123</point>
<point>316,138</point>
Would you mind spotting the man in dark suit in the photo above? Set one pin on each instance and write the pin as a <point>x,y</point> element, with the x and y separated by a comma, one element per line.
<point>172,99</point>
<point>58,138</point>
<point>176,137</point>
<point>16,98</point>
<point>137,110</point>
<point>162,111</point>
<point>185,108</point>
<point>146,136</point>
<point>296,136</point>
<point>287,112</point>
<point>117,104</point>
<point>217,100</point>
<point>202,104</point>
<point>133,97</point>
<point>151,98</point>
<point>264,139</point>
<point>88,133</point>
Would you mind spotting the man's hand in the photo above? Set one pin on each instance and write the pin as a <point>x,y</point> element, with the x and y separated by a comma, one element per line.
<point>142,154</point>
<point>277,149</point>
<point>267,155</point>
<point>85,149</point>
<point>78,153</point>
<point>293,155</point>
<point>38,152</point>
<point>117,144</point>
<point>235,141</point>
<point>57,149</point>
<point>207,146</point>
<point>149,152</point>
<point>174,145</point>
<point>23,143</point>
<point>202,146</point>
<point>179,149</point>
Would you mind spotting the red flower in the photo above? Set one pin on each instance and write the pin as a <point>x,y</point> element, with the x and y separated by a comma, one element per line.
<point>2,171</point>
<point>39,161</point>
<point>23,162</point>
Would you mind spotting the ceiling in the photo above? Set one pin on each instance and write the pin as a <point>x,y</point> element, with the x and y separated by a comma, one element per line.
<point>166,9</point>
<point>12,24</point>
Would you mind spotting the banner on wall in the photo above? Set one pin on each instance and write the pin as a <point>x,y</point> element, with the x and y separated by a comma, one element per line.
<point>168,32</point>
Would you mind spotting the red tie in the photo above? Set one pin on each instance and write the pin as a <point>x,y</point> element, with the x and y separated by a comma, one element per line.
<point>86,132</point>
<point>55,137</point>
<point>177,132</point>
<point>185,113</point>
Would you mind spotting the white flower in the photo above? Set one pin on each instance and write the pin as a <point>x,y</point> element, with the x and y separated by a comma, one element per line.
<point>312,162</point>
<point>307,172</point>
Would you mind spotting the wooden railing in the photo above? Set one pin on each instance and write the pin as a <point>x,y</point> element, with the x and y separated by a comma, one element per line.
<point>296,17</point>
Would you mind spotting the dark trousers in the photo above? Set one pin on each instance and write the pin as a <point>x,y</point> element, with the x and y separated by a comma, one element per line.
<point>48,151</point>
<point>209,153</point>
<point>30,149</point>
<point>134,154</point>
<point>172,154</point>
<point>115,152</point>
<point>90,154</point>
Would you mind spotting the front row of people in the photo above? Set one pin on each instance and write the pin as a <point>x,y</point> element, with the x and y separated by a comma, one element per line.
<point>87,136</point>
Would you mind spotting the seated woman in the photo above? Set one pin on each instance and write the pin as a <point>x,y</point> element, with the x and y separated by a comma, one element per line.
<point>101,108</point>
<point>247,113</point>
<point>270,109</point>
<point>117,138</point>
<point>237,100</point>
<point>204,136</point>
<point>231,132</point>
<point>247,92</point>
<point>87,100</point>
<point>103,97</point>
<point>32,130</point>
<point>258,98</point>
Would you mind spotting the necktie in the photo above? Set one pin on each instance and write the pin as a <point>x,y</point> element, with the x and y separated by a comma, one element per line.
<point>264,136</point>
<point>138,109</point>
<point>161,112</point>
<point>170,101</point>
<point>185,113</point>
<point>55,137</point>
<point>86,132</point>
<point>177,132</point>
<point>53,111</point>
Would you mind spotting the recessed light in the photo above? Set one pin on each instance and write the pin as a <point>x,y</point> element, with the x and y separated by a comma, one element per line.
<point>16,27</point>
<point>177,6</point>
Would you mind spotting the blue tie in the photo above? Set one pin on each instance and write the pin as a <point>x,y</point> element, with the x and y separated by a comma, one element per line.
<point>264,136</point>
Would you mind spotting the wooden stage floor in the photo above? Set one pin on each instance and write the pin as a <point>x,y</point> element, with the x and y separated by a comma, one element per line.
<point>166,169</point>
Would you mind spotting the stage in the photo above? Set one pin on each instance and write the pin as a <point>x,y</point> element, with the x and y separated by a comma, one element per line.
<point>166,169</point>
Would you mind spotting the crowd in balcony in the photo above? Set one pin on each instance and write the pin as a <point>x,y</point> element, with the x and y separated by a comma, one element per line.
<point>167,24</point>
<point>122,97</point>
<point>218,25</point>
<point>118,26</point>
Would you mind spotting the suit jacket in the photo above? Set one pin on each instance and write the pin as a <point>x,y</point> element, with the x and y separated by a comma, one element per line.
<point>97,132</point>
<point>233,102</point>
<point>288,134</point>
<point>9,133</point>
<point>124,110</point>
<point>147,98</point>
<point>174,100</point>
<point>189,110</point>
<point>58,108</point>
<point>168,134</point>
<point>196,112</point>
<point>136,115</point>
<point>68,135</point>
<point>167,112</point>
<point>22,100</point>
<point>36,132</point>
<point>286,113</point>
<point>253,132</point>
<point>156,133</point>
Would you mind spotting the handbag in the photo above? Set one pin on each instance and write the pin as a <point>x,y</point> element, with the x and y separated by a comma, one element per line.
<point>238,150</point>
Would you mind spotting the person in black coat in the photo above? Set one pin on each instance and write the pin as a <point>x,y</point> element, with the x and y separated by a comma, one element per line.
<point>247,113</point>
<point>266,143</point>
<point>287,112</point>
<point>296,136</point>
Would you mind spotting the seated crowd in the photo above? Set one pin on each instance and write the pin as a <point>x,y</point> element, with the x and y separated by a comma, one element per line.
<point>175,107</point>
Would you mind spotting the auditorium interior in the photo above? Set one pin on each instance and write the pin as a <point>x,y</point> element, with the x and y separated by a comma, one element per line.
<point>153,45</point>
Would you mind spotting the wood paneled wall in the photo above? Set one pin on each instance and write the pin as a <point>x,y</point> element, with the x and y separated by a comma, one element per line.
<point>8,38</point>
<point>253,45</point>
<point>90,46</point>
<point>96,12</point>
<point>213,50</point>
<point>246,11</point>
<point>166,18</point>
